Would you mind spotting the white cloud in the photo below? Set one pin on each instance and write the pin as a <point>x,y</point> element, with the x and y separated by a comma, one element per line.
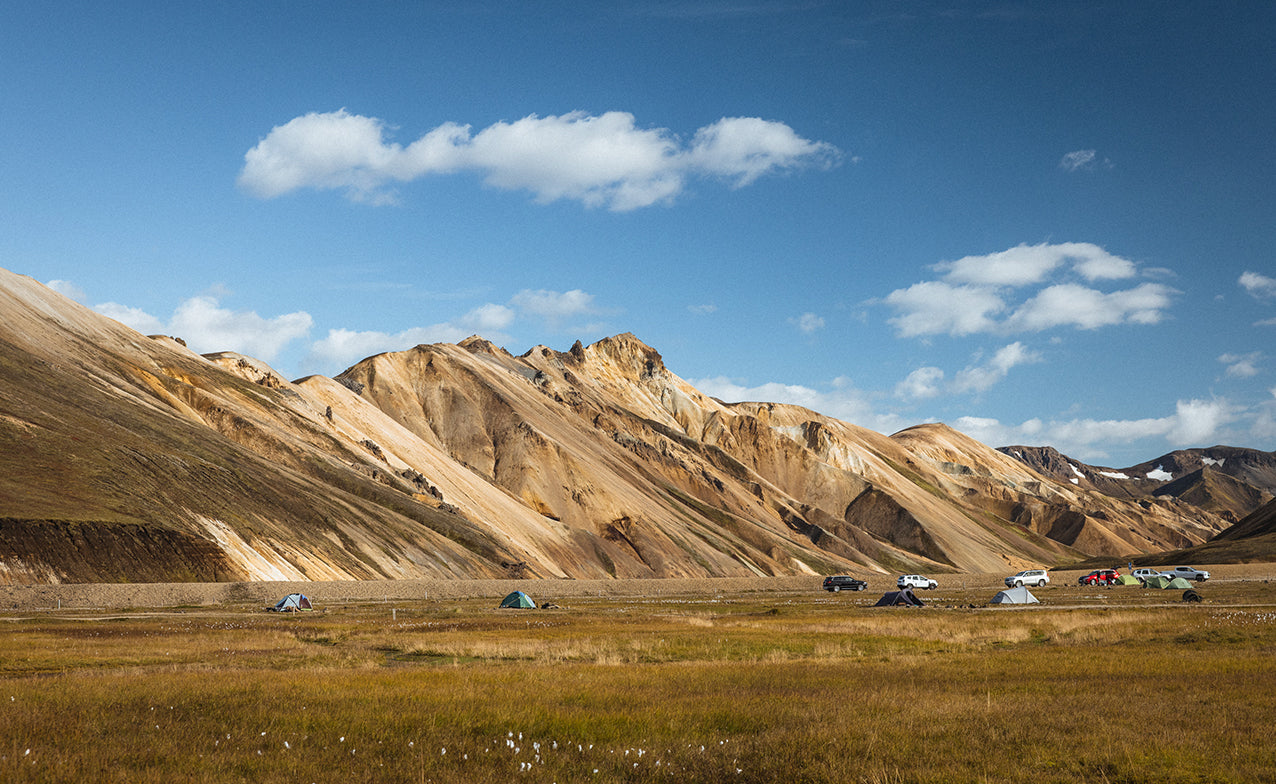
<point>207,327</point>
<point>67,289</point>
<point>1259,286</point>
<point>1083,160</point>
<point>934,308</point>
<point>703,310</point>
<point>1196,421</point>
<point>981,378</point>
<point>975,290</point>
<point>808,322</point>
<point>136,318</point>
<point>1193,423</point>
<point>1242,365</point>
<point>745,148</point>
<point>554,306</point>
<point>1024,265</point>
<point>922,384</point>
<point>843,401</point>
<point>1069,304</point>
<point>1077,159</point>
<point>603,160</point>
<point>343,347</point>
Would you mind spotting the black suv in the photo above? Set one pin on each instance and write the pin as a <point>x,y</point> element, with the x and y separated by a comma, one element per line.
<point>842,582</point>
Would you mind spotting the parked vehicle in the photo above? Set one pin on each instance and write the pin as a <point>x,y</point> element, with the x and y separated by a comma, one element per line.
<point>1037,577</point>
<point>915,581</point>
<point>843,582</point>
<point>1100,577</point>
<point>1142,573</point>
<point>1187,573</point>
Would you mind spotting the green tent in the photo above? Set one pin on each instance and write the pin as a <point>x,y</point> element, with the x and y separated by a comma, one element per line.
<point>1157,582</point>
<point>1126,579</point>
<point>1179,583</point>
<point>519,600</point>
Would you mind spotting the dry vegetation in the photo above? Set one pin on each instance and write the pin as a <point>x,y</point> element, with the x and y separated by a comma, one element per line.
<point>1097,685</point>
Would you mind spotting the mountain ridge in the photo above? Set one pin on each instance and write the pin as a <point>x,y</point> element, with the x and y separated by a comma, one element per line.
<point>463,460</point>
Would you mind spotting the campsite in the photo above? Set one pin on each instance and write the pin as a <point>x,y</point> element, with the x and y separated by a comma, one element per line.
<point>697,680</point>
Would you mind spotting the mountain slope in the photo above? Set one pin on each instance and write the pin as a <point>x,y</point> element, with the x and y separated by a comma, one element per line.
<point>132,458</point>
<point>1228,481</point>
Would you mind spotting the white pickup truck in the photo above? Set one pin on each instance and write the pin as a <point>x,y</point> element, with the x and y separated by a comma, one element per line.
<point>1186,572</point>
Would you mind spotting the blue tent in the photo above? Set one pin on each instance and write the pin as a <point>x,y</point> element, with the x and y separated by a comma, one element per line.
<point>519,600</point>
<point>293,602</point>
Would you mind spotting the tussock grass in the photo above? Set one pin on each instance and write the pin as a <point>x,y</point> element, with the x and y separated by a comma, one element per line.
<point>754,689</point>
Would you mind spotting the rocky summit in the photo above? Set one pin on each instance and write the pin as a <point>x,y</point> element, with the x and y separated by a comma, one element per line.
<point>132,458</point>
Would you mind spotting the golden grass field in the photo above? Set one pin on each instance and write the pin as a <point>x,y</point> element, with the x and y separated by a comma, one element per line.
<point>680,681</point>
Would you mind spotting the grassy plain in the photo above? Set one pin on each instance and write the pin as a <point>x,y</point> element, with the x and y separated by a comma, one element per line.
<point>1094,685</point>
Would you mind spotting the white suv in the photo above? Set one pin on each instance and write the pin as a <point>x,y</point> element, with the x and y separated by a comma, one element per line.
<point>915,581</point>
<point>1037,577</point>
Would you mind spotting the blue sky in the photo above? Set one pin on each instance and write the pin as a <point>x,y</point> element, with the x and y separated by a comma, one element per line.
<point>1041,223</point>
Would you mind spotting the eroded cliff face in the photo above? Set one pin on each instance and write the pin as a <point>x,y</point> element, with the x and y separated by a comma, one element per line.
<point>465,461</point>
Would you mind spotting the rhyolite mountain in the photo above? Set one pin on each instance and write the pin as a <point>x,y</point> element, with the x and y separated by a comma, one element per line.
<point>131,458</point>
<point>1229,481</point>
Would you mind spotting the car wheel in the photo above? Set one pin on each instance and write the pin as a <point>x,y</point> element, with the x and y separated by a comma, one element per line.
<point>1018,583</point>
<point>837,588</point>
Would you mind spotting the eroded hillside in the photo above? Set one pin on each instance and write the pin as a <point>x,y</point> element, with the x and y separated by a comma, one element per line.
<point>132,458</point>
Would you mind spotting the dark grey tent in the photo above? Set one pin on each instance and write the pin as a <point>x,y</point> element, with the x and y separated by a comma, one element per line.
<point>293,602</point>
<point>519,600</point>
<point>904,598</point>
<point>1018,595</point>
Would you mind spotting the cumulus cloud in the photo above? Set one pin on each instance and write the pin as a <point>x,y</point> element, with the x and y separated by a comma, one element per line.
<point>1084,308</point>
<point>1241,365</point>
<point>1193,423</point>
<point>936,308</point>
<point>808,322</point>
<point>982,377</point>
<point>1023,265</point>
<point>343,347</point>
<point>1259,286</point>
<point>604,160</point>
<point>921,384</point>
<point>207,327</point>
<point>554,306</point>
<point>136,318</point>
<point>67,289</point>
<point>842,401</point>
<point>1039,287</point>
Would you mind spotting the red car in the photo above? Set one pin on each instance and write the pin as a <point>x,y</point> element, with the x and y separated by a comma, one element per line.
<point>1100,577</point>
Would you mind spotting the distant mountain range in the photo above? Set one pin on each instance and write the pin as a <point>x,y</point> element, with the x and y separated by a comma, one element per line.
<point>128,458</point>
<point>1229,481</point>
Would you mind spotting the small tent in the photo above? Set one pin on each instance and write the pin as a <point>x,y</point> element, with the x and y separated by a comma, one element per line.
<point>904,598</point>
<point>1018,595</point>
<point>518,600</point>
<point>1178,583</point>
<point>293,602</point>
<point>1157,582</point>
<point>1127,579</point>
